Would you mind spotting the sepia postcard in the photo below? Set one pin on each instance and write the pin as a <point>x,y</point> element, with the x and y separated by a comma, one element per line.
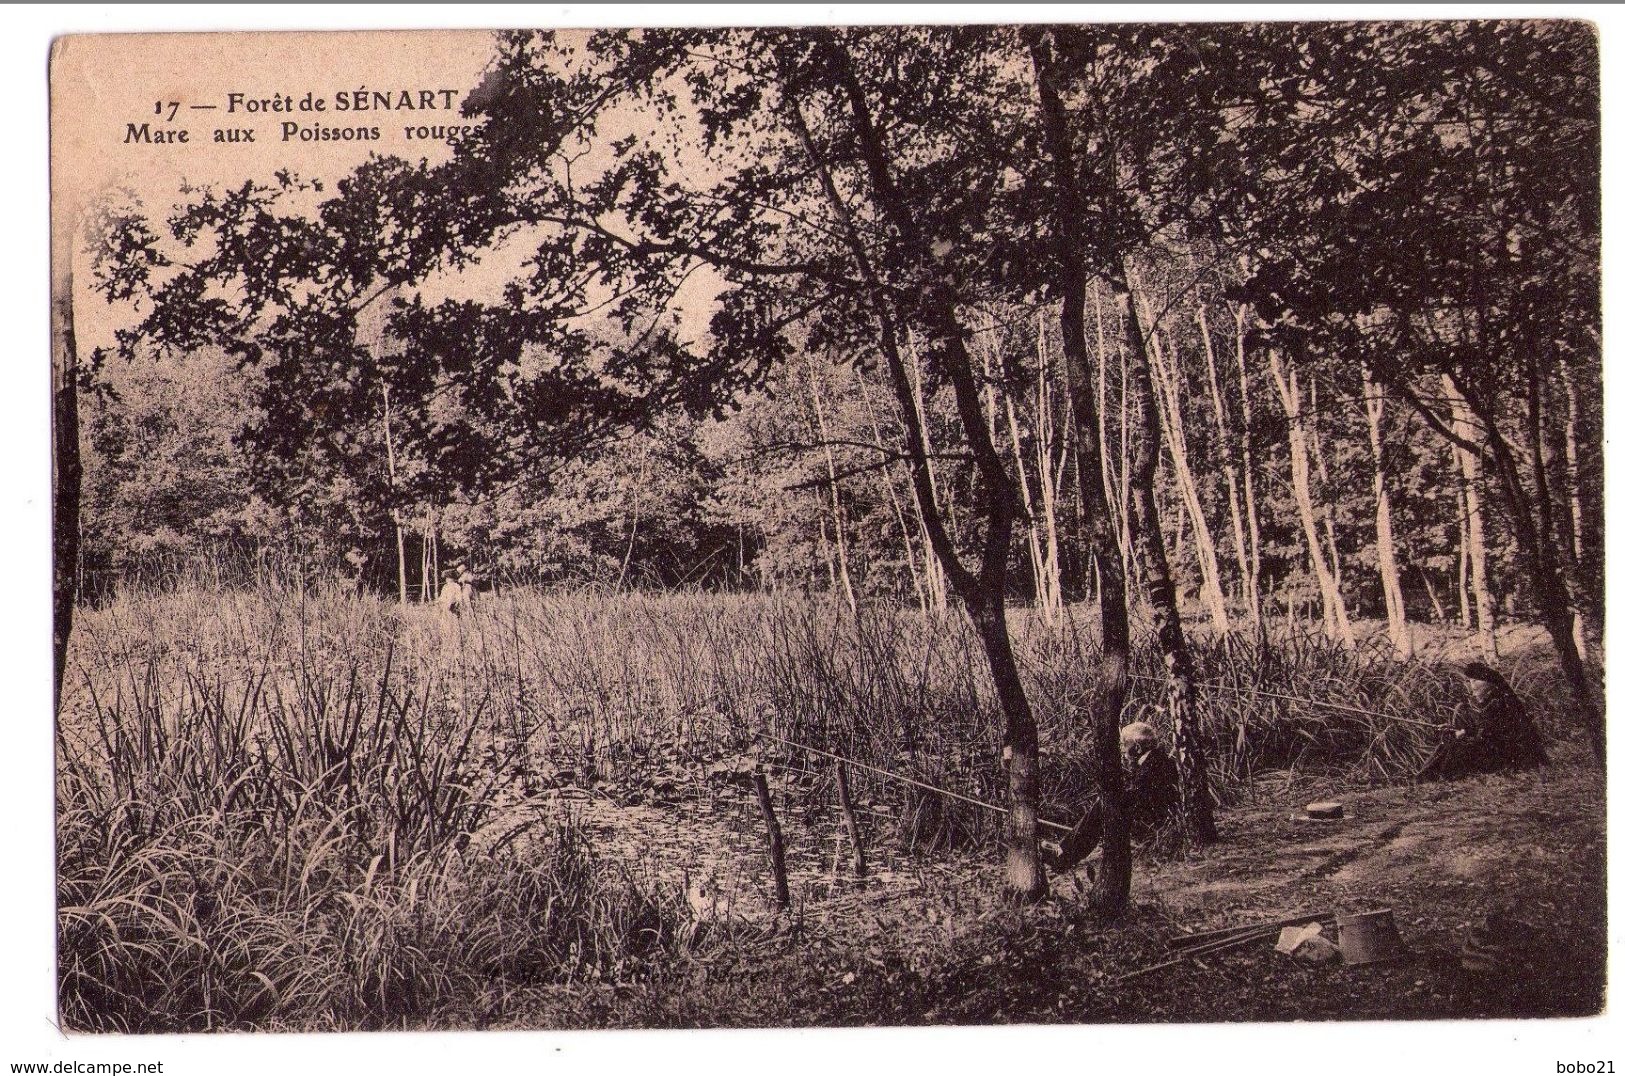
<point>828,526</point>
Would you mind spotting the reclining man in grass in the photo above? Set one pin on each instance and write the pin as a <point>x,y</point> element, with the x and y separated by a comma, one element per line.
<point>1150,794</point>
<point>1495,733</point>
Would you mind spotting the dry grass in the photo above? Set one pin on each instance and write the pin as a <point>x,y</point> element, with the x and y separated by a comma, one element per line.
<point>276,807</point>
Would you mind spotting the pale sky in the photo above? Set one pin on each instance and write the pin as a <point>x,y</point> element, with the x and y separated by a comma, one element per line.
<point>101,84</point>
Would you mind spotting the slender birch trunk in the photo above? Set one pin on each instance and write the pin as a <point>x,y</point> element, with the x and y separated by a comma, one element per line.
<point>1575,517</point>
<point>1387,564</point>
<point>1037,559</point>
<point>836,515</point>
<point>1039,509</point>
<point>1051,468</point>
<point>1125,512</point>
<point>423,561</point>
<point>914,575</point>
<point>1196,809</point>
<point>1227,460</point>
<point>1255,602</point>
<point>394,511</point>
<point>1478,561</point>
<point>1334,616</point>
<point>1439,615</point>
<point>434,556</point>
<point>1334,551</point>
<point>1164,370</point>
<point>935,575</point>
<point>1464,556</point>
<point>1116,491</point>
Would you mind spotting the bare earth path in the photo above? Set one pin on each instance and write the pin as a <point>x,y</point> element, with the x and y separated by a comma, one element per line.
<point>1441,856</point>
<point>1472,834</point>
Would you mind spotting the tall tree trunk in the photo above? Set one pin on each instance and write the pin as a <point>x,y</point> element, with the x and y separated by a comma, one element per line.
<point>1037,558</point>
<point>915,578</point>
<point>1111,890</point>
<point>1039,507</point>
<point>1051,468</point>
<point>67,472</point>
<point>1439,615</point>
<point>1255,602</point>
<point>1334,615</point>
<point>1196,810</point>
<point>1227,459</point>
<point>1256,548</point>
<point>425,556</point>
<point>1478,559</point>
<point>1574,519</point>
<point>1387,564</point>
<point>936,577</point>
<point>984,591</point>
<point>984,597</point>
<point>1165,373</point>
<point>1124,459</point>
<point>1464,558</point>
<point>1165,369</point>
<point>1116,491</point>
<point>836,515</point>
<point>394,512</point>
<point>1334,551</point>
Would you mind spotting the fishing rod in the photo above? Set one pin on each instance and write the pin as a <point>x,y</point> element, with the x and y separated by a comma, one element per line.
<point>910,781</point>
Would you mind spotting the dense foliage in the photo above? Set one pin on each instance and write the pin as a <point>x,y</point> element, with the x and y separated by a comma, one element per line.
<point>1251,321</point>
<point>1381,194</point>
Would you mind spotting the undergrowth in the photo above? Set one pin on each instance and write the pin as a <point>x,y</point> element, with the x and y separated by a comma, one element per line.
<point>275,804</point>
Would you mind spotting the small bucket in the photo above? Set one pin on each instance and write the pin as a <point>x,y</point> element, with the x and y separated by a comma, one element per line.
<point>1369,937</point>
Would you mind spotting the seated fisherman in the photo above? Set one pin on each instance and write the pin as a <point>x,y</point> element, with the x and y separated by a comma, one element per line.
<point>1495,733</point>
<point>1150,795</point>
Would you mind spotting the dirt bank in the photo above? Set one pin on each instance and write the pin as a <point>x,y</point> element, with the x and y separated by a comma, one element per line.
<point>938,948</point>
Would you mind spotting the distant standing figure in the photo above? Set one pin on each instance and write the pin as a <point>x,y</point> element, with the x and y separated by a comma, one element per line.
<point>457,592</point>
<point>1496,734</point>
<point>1150,794</point>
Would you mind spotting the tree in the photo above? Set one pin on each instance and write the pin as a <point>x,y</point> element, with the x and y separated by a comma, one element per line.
<point>1065,200</point>
<point>67,471</point>
<point>1414,223</point>
<point>470,398</point>
<point>1135,94</point>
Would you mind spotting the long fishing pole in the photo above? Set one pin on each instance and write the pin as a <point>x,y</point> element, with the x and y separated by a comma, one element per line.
<point>910,781</point>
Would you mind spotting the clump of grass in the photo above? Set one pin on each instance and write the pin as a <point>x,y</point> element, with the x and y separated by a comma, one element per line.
<point>303,855</point>
<point>1303,703</point>
<point>1294,702</point>
<point>613,685</point>
<point>278,805</point>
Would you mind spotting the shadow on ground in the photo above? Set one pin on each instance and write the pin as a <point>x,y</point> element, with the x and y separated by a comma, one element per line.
<point>942,950</point>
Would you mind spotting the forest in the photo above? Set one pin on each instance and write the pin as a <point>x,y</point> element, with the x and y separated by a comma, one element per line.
<point>1004,384</point>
